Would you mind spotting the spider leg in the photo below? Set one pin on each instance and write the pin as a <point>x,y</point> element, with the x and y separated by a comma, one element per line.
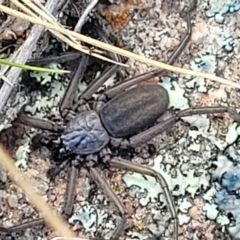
<point>66,103</point>
<point>62,58</point>
<point>129,166</point>
<point>70,191</point>
<point>101,181</point>
<point>111,92</point>
<point>94,86</point>
<point>210,110</point>
<point>21,226</point>
<point>38,123</point>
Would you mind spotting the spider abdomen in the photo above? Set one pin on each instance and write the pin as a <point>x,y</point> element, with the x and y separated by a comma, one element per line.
<point>134,110</point>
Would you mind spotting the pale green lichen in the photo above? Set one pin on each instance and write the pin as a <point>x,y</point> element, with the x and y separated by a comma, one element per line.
<point>22,153</point>
<point>233,133</point>
<point>46,104</point>
<point>183,219</point>
<point>226,43</point>
<point>176,93</point>
<point>43,106</point>
<point>223,220</point>
<point>211,211</point>
<point>93,220</point>
<point>179,185</point>
<point>184,205</point>
<point>219,8</point>
<point>204,63</point>
<point>199,83</point>
<point>183,216</point>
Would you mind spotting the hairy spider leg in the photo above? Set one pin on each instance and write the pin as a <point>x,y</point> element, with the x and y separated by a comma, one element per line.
<point>38,123</point>
<point>20,227</point>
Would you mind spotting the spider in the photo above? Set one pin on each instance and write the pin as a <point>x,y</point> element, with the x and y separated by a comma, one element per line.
<point>123,118</point>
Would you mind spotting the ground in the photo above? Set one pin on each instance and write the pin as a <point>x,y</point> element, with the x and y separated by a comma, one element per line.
<point>199,157</point>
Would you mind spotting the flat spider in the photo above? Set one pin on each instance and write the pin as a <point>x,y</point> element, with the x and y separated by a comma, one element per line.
<point>121,118</point>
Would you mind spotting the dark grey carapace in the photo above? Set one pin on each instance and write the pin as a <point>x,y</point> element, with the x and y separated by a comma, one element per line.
<point>125,115</point>
<point>134,110</point>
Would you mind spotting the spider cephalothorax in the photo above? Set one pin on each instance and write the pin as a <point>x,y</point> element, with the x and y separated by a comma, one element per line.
<point>84,134</point>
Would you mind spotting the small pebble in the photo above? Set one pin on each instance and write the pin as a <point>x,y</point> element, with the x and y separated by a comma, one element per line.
<point>19,26</point>
<point>129,207</point>
<point>12,201</point>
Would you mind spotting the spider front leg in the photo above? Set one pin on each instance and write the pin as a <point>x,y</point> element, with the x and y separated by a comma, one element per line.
<point>38,123</point>
<point>4,232</point>
<point>94,86</point>
<point>82,104</point>
<point>70,93</point>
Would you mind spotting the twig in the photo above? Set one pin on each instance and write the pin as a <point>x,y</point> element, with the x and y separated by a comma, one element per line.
<point>84,16</point>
